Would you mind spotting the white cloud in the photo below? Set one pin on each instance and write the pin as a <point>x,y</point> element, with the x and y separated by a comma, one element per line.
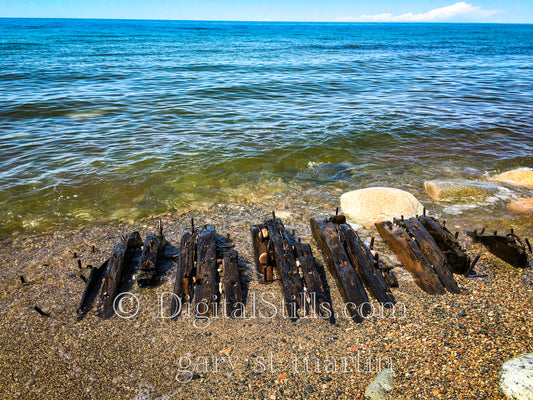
<point>459,9</point>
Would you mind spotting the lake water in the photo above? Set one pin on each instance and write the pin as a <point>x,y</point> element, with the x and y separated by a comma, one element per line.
<point>105,120</point>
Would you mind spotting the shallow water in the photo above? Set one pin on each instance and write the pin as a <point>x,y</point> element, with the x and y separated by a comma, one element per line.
<point>112,120</point>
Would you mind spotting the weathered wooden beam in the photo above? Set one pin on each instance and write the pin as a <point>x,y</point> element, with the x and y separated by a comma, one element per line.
<point>206,290</point>
<point>411,257</point>
<point>232,285</point>
<point>286,263</point>
<point>92,287</point>
<point>448,244</point>
<point>318,295</point>
<point>150,265</point>
<point>352,290</point>
<point>117,267</point>
<point>185,273</point>
<point>363,263</point>
<point>510,248</point>
<point>431,252</point>
<point>260,243</point>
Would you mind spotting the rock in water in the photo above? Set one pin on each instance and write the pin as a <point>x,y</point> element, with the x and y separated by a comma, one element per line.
<point>516,378</point>
<point>381,385</point>
<point>517,177</point>
<point>522,206</point>
<point>459,190</point>
<point>370,205</point>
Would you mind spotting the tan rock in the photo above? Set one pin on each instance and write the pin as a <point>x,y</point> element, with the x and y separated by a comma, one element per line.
<point>367,206</point>
<point>522,206</point>
<point>457,191</point>
<point>517,177</point>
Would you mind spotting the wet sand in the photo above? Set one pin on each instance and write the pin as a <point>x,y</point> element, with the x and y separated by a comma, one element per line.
<point>443,347</point>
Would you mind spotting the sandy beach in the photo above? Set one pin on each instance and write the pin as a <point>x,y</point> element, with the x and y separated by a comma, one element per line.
<point>440,347</point>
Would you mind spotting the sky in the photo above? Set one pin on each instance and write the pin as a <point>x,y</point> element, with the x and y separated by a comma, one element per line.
<point>501,11</point>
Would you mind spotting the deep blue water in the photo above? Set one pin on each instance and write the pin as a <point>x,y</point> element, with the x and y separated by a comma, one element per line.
<point>101,119</point>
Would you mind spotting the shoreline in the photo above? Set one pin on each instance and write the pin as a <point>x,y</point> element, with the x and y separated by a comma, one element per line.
<point>448,347</point>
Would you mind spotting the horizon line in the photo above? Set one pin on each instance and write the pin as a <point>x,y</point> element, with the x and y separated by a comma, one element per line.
<point>275,21</point>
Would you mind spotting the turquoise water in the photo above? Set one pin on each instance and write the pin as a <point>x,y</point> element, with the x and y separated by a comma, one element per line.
<point>105,119</point>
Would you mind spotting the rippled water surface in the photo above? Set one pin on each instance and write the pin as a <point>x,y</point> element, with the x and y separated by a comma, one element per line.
<point>105,120</point>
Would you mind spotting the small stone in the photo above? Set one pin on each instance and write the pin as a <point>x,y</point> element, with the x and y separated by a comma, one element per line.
<point>382,383</point>
<point>282,376</point>
<point>226,351</point>
<point>516,378</point>
<point>461,314</point>
<point>309,389</point>
<point>522,206</point>
<point>517,177</point>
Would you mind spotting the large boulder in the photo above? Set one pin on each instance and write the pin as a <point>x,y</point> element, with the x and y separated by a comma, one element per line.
<point>518,177</point>
<point>516,378</point>
<point>458,190</point>
<point>370,205</point>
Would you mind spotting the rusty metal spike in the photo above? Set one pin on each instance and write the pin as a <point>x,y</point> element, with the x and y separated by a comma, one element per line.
<point>456,235</point>
<point>424,211</point>
<point>483,231</point>
<point>192,225</point>
<point>528,244</point>
<point>472,265</point>
<point>371,243</point>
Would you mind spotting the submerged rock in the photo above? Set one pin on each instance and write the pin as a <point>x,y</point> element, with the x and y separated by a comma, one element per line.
<point>381,385</point>
<point>518,177</point>
<point>328,172</point>
<point>370,205</point>
<point>516,378</point>
<point>458,190</point>
<point>522,206</point>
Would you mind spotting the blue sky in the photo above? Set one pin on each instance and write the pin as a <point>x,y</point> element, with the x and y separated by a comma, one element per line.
<point>506,11</point>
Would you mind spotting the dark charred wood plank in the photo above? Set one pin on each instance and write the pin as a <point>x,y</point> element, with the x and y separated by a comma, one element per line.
<point>350,285</point>
<point>151,258</point>
<point>185,272</point>
<point>92,286</point>
<point>206,290</point>
<point>232,285</point>
<point>286,263</point>
<point>448,244</point>
<point>431,252</point>
<point>318,295</point>
<point>363,263</point>
<point>510,248</point>
<point>411,257</point>
<point>117,269</point>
